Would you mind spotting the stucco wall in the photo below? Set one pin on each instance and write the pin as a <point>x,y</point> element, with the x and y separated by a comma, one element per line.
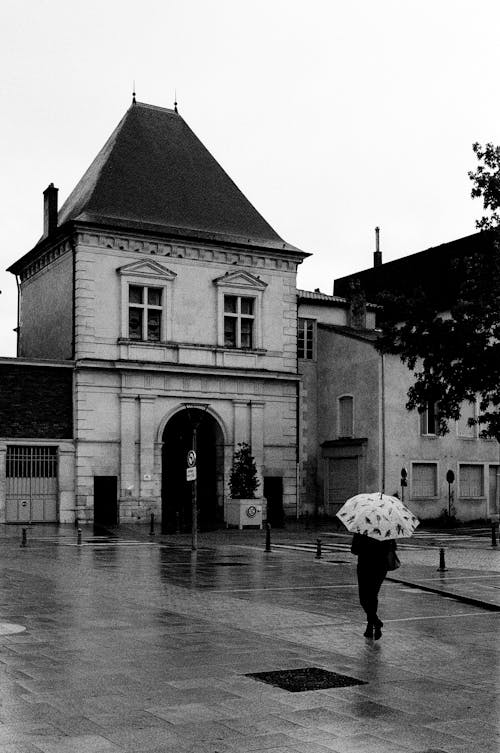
<point>347,366</point>
<point>121,417</point>
<point>406,445</point>
<point>192,307</point>
<point>46,301</point>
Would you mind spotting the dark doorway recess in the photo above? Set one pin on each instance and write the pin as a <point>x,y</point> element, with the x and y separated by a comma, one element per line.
<point>105,501</point>
<point>273,492</point>
<point>176,490</point>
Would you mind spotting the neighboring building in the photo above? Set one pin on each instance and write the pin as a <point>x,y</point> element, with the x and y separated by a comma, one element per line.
<point>37,454</point>
<point>176,303</point>
<point>356,434</point>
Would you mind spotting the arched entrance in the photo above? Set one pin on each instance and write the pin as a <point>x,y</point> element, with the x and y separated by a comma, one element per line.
<point>176,491</point>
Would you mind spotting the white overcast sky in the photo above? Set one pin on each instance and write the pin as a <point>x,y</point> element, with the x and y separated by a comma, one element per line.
<point>332,116</point>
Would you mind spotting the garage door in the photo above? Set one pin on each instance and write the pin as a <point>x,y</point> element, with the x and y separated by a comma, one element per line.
<point>31,485</point>
<point>342,482</point>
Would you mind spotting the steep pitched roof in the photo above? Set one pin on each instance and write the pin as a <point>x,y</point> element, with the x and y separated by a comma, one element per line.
<point>154,173</point>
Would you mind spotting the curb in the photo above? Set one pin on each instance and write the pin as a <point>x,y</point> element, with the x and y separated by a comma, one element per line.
<point>458,597</point>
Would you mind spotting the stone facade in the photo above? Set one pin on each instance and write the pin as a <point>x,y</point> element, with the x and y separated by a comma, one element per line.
<point>346,371</point>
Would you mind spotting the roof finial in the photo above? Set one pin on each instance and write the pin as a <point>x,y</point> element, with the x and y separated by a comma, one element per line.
<point>175,101</point>
<point>133,95</point>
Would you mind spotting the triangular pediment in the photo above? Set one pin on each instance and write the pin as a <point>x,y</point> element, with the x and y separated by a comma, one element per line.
<point>147,268</point>
<point>240,279</point>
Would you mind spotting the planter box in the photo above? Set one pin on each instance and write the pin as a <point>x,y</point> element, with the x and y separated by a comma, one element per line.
<point>244,513</point>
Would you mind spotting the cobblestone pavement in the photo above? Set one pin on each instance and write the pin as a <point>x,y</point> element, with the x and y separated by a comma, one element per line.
<point>139,644</point>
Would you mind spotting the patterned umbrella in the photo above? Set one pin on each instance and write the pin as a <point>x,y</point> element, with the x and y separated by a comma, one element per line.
<point>378,516</point>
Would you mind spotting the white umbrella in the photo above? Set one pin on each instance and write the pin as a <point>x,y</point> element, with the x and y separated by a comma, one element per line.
<point>378,516</point>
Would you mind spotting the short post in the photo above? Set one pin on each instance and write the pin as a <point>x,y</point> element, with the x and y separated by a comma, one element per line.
<point>307,519</point>
<point>318,549</point>
<point>24,541</point>
<point>493,533</point>
<point>268,537</point>
<point>152,525</point>
<point>442,565</point>
<point>79,536</point>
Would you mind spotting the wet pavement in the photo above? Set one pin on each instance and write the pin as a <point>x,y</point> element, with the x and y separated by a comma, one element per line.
<point>136,643</point>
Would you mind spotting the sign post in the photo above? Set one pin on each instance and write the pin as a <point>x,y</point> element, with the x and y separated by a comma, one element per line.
<point>404,482</point>
<point>191,477</point>
<point>196,412</point>
<point>450,477</point>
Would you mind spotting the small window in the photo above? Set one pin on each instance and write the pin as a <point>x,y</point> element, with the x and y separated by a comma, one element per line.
<point>429,420</point>
<point>346,416</point>
<point>424,480</point>
<point>145,313</point>
<point>471,481</point>
<point>305,338</point>
<point>238,321</point>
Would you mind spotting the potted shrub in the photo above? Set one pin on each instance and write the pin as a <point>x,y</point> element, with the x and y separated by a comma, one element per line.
<point>243,508</point>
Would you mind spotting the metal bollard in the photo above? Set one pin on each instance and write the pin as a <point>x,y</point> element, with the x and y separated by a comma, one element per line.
<point>493,534</point>
<point>152,525</point>
<point>307,520</point>
<point>24,541</point>
<point>268,537</point>
<point>442,565</point>
<point>318,549</point>
<point>79,536</point>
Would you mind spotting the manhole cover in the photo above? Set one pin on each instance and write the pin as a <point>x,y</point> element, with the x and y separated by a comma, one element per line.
<point>308,678</point>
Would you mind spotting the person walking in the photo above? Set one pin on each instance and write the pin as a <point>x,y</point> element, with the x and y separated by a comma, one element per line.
<point>373,563</point>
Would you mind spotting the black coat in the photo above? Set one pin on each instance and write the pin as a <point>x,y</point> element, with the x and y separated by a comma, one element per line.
<point>372,552</point>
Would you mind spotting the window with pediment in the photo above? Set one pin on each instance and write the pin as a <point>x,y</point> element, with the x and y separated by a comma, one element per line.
<point>147,302</point>
<point>239,310</point>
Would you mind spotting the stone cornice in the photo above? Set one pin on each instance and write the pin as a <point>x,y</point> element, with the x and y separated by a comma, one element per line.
<point>75,233</point>
<point>163,368</point>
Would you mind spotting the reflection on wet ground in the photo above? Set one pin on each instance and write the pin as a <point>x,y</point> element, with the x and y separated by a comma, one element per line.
<point>141,646</point>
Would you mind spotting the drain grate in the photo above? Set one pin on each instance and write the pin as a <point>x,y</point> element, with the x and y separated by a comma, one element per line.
<point>307,678</point>
<point>225,564</point>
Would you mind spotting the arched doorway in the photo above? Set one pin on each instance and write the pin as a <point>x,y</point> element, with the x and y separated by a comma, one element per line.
<point>176,491</point>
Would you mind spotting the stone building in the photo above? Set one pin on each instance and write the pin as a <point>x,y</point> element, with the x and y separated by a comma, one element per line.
<point>175,303</point>
<point>159,299</point>
<point>356,434</point>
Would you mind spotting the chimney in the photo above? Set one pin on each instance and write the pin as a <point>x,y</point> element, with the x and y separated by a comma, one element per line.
<point>377,256</point>
<point>49,210</point>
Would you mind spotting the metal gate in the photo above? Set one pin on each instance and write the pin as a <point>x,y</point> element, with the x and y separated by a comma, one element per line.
<point>31,488</point>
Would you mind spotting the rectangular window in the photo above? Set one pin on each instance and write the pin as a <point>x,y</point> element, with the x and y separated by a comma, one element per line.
<point>238,321</point>
<point>429,420</point>
<point>424,480</point>
<point>471,481</point>
<point>145,310</point>
<point>464,429</point>
<point>346,416</point>
<point>305,335</point>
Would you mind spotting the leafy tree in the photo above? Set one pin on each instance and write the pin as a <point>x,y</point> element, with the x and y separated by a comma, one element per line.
<point>455,354</point>
<point>243,480</point>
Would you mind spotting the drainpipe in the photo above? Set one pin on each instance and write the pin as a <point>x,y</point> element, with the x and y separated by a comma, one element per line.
<point>382,418</point>
<point>73,303</point>
<point>18,314</point>
<point>297,421</point>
